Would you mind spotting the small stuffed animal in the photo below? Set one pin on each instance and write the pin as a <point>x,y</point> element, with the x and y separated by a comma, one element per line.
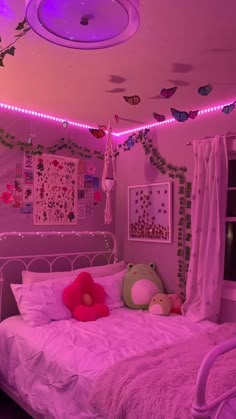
<point>85,299</point>
<point>141,283</point>
<point>160,304</point>
<point>176,303</point>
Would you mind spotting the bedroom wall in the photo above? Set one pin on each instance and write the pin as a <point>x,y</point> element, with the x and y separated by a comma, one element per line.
<point>45,133</point>
<point>133,168</point>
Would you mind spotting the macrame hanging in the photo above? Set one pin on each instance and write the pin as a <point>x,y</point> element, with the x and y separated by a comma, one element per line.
<point>108,181</point>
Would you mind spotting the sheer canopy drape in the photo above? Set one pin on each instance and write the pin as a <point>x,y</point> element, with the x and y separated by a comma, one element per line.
<point>206,268</point>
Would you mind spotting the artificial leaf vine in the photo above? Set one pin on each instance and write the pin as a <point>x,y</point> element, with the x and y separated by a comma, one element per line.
<point>22,28</point>
<point>7,140</point>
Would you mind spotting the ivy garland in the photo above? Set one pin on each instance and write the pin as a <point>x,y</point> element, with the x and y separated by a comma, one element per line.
<point>174,172</point>
<point>8,141</point>
<point>22,28</point>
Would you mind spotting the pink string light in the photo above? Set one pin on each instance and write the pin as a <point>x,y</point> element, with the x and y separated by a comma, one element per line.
<point>117,134</point>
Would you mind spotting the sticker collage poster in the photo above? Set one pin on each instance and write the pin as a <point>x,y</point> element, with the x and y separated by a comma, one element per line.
<point>55,190</point>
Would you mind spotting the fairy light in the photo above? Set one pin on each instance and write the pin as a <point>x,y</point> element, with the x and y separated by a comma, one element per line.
<point>52,233</point>
<point>39,234</point>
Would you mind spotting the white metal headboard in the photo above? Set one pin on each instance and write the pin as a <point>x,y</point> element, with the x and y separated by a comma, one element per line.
<point>33,251</point>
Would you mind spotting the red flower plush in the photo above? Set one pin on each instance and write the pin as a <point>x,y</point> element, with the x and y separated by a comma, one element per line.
<point>85,299</point>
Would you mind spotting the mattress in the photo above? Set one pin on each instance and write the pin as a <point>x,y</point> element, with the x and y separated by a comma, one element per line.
<point>52,367</point>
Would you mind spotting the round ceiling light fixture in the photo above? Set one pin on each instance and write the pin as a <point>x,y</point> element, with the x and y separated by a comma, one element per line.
<point>84,24</point>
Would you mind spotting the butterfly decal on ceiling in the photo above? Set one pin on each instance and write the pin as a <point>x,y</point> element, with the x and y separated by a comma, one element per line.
<point>98,132</point>
<point>205,90</point>
<point>132,100</point>
<point>158,117</point>
<point>167,93</point>
<point>228,108</point>
<point>193,114</point>
<point>182,116</point>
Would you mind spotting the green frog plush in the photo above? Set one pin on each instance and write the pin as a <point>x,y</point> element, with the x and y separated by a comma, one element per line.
<point>141,283</point>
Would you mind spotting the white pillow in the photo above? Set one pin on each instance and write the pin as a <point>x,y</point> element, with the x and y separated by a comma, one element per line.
<point>28,277</point>
<point>113,286</point>
<point>41,302</point>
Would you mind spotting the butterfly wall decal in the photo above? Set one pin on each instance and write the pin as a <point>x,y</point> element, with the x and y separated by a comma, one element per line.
<point>193,114</point>
<point>98,132</point>
<point>132,100</point>
<point>158,117</point>
<point>167,93</point>
<point>228,108</point>
<point>182,116</point>
<point>205,90</point>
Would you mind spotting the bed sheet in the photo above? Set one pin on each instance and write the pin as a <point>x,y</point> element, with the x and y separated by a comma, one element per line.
<point>53,366</point>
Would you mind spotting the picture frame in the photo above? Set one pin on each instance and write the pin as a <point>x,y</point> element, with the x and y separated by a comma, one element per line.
<point>150,212</point>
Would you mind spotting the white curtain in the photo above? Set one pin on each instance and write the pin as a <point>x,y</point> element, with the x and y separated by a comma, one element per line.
<point>209,194</point>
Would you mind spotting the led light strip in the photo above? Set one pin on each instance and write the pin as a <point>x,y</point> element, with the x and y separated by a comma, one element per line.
<point>84,126</point>
<point>171,120</point>
<point>43,116</point>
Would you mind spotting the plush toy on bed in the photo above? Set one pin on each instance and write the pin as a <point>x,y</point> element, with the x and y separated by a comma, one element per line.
<point>85,299</point>
<point>160,304</point>
<point>176,303</point>
<point>141,283</point>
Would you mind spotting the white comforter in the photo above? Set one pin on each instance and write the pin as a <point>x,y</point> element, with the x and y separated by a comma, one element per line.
<point>52,367</point>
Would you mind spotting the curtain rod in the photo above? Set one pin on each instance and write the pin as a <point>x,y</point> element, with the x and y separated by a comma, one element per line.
<point>229,136</point>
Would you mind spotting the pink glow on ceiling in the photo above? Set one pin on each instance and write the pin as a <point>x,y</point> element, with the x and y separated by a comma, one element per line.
<point>117,134</point>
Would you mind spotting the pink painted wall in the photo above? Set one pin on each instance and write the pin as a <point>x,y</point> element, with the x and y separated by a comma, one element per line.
<point>133,168</point>
<point>46,133</point>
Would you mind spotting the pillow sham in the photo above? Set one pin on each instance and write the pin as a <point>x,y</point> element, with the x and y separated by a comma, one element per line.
<point>41,302</point>
<point>29,277</point>
<point>113,286</point>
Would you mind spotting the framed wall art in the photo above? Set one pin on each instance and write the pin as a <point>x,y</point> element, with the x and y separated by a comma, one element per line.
<point>150,212</point>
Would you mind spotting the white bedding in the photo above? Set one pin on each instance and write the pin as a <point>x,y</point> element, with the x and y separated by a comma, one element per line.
<point>52,366</point>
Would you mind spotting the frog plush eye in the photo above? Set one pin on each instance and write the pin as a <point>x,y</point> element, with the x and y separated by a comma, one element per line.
<point>152,265</point>
<point>130,266</point>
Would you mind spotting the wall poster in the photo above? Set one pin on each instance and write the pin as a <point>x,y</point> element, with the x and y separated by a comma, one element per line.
<point>55,190</point>
<point>150,212</point>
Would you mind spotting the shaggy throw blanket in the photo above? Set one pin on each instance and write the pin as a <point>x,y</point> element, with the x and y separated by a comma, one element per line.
<point>162,385</point>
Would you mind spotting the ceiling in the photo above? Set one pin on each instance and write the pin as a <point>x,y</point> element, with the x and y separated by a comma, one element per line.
<point>179,43</point>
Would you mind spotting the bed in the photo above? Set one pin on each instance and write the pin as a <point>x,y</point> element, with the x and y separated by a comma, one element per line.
<point>53,370</point>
